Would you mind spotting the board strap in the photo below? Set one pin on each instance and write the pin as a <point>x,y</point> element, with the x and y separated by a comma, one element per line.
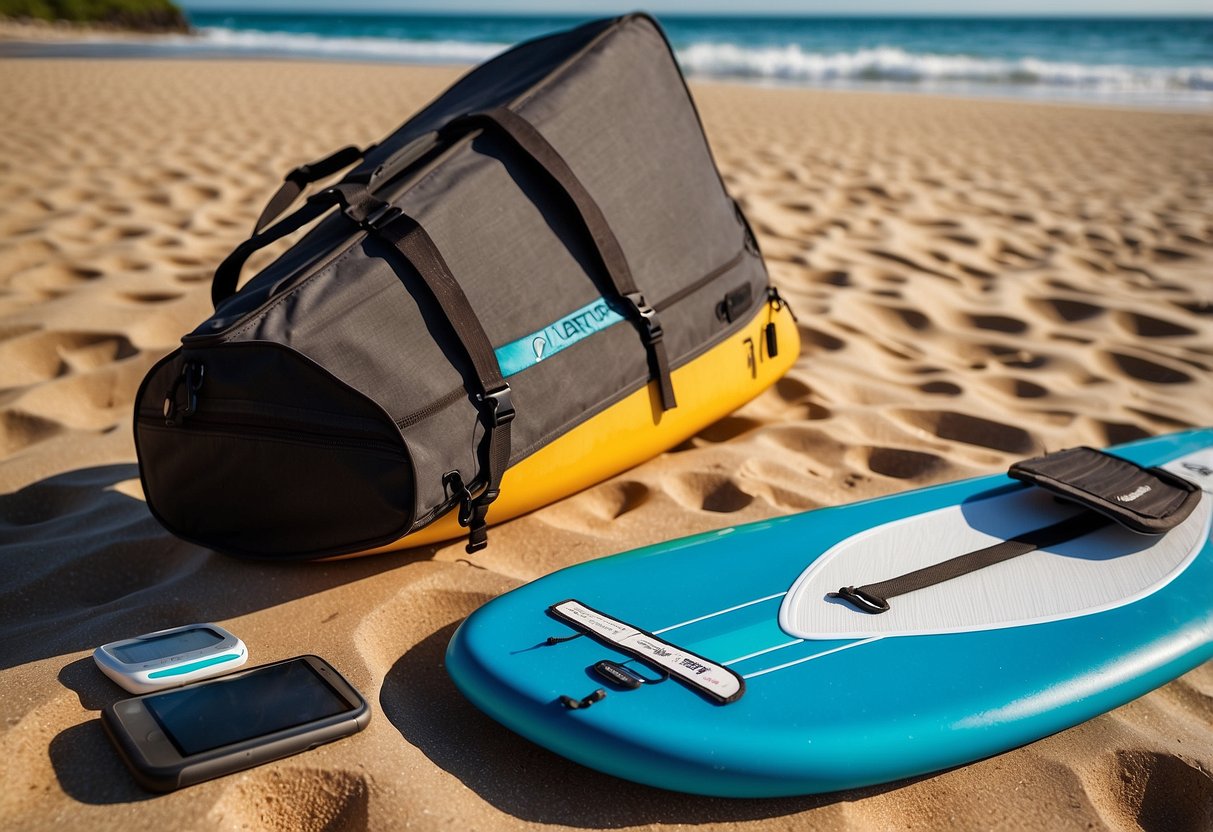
<point>1145,500</point>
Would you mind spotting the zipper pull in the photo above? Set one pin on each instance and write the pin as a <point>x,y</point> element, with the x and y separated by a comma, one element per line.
<point>780,302</point>
<point>772,338</point>
<point>191,376</point>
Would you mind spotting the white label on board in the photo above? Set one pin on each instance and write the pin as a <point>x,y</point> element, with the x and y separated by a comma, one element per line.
<point>709,677</point>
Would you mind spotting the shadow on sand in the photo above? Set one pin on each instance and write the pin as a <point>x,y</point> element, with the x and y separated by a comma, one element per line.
<point>82,563</point>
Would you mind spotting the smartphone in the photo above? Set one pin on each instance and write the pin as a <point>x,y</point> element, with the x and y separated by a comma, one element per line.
<point>201,731</point>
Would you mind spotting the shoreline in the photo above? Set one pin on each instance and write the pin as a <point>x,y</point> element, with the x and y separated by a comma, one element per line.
<point>70,41</point>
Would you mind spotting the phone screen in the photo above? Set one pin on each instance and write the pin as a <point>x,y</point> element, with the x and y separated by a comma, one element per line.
<point>169,644</point>
<point>261,702</point>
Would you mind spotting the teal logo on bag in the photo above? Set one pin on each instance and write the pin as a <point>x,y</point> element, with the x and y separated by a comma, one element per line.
<point>529,350</point>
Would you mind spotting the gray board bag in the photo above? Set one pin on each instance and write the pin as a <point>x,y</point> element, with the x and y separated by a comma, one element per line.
<point>351,393</point>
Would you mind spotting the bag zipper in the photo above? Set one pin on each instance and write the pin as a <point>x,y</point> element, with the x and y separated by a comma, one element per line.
<point>181,410</point>
<point>692,288</point>
<point>303,437</point>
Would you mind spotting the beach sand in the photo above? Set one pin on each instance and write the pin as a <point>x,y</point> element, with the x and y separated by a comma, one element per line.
<point>976,281</point>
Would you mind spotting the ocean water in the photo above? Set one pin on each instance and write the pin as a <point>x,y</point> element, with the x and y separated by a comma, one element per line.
<point>1159,61</point>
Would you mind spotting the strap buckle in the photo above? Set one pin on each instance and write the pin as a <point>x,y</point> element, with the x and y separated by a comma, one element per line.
<point>653,332</point>
<point>460,492</point>
<point>499,406</point>
<point>380,215</point>
<point>359,205</point>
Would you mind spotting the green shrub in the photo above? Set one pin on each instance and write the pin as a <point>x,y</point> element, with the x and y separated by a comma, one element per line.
<point>133,14</point>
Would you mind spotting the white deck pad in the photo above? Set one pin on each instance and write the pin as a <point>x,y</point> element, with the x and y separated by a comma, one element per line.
<point>1099,571</point>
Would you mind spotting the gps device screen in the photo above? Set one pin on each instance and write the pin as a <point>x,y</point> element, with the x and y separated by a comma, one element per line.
<point>251,705</point>
<point>169,644</point>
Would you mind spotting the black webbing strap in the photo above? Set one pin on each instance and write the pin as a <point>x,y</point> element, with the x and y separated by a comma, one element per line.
<point>355,198</point>
<point>874,598</point>
<point>493,397</point>
<point>1112,489</point>
<point>298,179</point>
<point>528,139</point>
<point>227,276</point>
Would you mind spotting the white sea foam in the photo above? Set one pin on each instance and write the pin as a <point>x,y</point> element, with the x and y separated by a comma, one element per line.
<point>396,49</point>
<point>792,64</point>
<point>883,66</point>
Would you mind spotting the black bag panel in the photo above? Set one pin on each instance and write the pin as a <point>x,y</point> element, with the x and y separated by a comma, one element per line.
<point>330,239</point>
<point>445,440</point>
<point>637,142</point>
<point>494,83</point>
<point>370,321</point>
<point>531,260</point>
<point>694,323</point>
<point>279,458</point>
<point>271,497</point>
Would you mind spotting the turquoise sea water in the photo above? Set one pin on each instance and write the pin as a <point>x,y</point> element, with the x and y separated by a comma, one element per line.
<point>1155,59</point>
<point>1161,61</point>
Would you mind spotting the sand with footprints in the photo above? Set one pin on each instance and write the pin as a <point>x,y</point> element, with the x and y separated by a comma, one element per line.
<point>976,281</point>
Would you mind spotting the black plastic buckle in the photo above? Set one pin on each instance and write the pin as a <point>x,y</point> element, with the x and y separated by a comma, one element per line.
<point>501,411</point>
<point>478,535</point>
<point>459,491</point>
<point>380,216</point>
<point>191,377</point>
<point>365,210</point>
<point>648,316</point>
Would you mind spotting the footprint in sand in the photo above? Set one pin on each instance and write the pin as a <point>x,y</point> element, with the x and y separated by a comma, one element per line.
<point>903,464</point>
<point>293,798</point>
<point>1147,326</point>
<point>971,430</point>
<point>1162,791</point>
<point>708,492</point>
<point>39,356</point>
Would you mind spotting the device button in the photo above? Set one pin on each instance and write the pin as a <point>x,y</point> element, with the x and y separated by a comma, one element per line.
<point>155,736</point>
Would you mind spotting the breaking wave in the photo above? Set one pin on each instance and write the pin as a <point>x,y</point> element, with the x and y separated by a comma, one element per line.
<point>394,49</point>
<point>792,64</point>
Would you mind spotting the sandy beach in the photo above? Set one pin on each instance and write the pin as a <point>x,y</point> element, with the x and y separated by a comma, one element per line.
<point>976,282</point>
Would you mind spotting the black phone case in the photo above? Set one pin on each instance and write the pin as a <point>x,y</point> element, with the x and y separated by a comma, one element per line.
<point>238,756</point>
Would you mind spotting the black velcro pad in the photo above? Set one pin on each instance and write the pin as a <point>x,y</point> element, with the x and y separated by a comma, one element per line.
<point>1146,500</point>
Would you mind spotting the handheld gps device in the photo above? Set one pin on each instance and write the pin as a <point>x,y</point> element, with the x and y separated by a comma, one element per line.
<point>169,658</point>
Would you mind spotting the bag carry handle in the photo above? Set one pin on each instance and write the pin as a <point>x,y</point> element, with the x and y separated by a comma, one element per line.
<point>227,275</point>
<point>295,182</point>
<point>531,142</point>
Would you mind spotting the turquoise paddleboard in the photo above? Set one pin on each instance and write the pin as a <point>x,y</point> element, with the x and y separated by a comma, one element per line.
<point>728,668</point>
